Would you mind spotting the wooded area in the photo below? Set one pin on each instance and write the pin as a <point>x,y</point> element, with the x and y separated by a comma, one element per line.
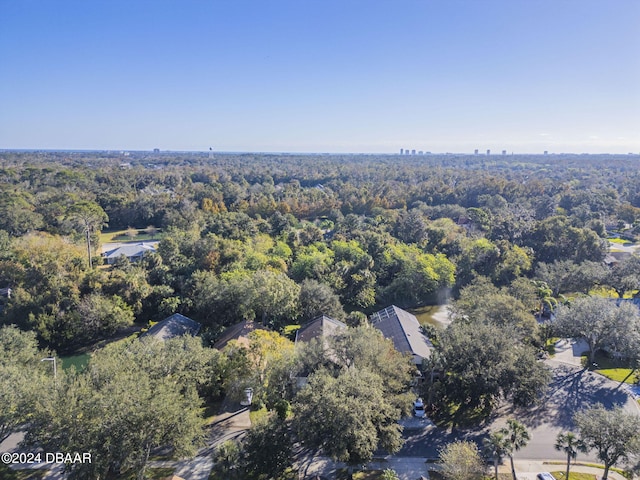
<point>281,239</point>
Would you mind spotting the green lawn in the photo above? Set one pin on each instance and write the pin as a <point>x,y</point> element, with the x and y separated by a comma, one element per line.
<point>290,331</point>
<point>610,368</point>
<point>573,476</point>
<point>610,292</point>
<point>120,236</point>
<point>620,241</point>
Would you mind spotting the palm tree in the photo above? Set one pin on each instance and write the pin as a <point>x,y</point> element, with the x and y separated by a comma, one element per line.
<point>496,447</point>
<point>517,437</point>
<point>570,444</point>
<point>545,295</point>
<point>90,217</point>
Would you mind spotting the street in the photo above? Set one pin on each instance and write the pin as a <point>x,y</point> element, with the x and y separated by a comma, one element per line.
<point>571,390</point>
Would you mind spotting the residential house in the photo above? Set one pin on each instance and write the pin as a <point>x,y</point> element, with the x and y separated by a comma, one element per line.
<point>239,332</point>
<point>174,326</point>
<point>320,327</point>
<point>404,330</point>
<point>133,251</point>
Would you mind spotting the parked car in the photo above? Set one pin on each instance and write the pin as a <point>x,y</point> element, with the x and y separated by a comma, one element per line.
<point>418,408</point>
<point>545,476</point>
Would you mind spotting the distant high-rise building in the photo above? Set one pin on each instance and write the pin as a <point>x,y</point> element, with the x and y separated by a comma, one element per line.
<point>475,152</point>
<point>504,152</point>
<point>156,150</point>
<point>413,152</point>
<point>210,152</point>
<point>402,151</point>
<point>546,152</point>
<point>407,152</point>
<point>488,152</point>
<point>420,152</point>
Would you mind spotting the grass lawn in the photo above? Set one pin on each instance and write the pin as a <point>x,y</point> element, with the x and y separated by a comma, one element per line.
<point>610,292</point>
<point>79,361</point>
<point>120,236</point>
<point>619,241</point>
<point>573,476</point>
<point>290,331</point>
<point>613,369</point>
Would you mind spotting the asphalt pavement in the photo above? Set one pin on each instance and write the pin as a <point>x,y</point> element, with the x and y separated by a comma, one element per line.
<point>571,390</point>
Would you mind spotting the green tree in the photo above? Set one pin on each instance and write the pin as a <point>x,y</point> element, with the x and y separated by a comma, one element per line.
<point>347,416</point>
<point>461,461</point>
<point>267,450</point>
<point>410,275</point>
<point>22,376</point>
<point>103,316</point>
<point>319,299</point>
<point>599,321</point>
<point>517,437</point>
<point>227,459</point>
<point>90,217</point>
<point>496,446</point>
<point>481,301</point>
<point>151,231</point>
<point>364,348</point>
<point>390,474</point>
<point>131,398</point>
<point>570,444</point>
<point>614,434</point>
<point>483,363</point>
<point>624,276</point>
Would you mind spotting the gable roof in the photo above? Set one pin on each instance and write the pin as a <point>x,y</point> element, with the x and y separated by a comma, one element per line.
<point>403,329</point>
<point>130,250</point>
<point>238,332</point>
<point>319,327</point>
<point>174,326</point>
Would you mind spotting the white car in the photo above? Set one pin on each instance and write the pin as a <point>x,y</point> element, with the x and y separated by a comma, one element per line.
<point>418,408</point>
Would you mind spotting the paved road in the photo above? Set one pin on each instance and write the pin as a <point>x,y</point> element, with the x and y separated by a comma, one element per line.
<point>572,389</point>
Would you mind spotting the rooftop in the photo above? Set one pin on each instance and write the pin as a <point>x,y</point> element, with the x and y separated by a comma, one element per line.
<point>319,327</point>
<point>404,330</point>
<point>174,326</point>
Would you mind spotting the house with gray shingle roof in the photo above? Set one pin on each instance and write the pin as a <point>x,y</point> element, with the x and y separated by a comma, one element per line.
<point>319,327</point>
<point>133,252</point>
<point>239,332</point>
<point>404,330</point>
<point>174,326</point>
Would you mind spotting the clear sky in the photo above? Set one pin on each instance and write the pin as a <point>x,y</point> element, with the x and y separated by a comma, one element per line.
<point>321,75</point>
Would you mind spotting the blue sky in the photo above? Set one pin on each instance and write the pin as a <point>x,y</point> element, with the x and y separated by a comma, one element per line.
<point>321,75</point>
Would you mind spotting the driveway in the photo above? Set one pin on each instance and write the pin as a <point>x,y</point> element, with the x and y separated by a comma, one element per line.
<point>570,351</point>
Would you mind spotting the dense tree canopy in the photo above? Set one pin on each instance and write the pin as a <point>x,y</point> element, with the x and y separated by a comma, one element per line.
<point>602,323</point>
<point>613,434</point>
<point>132,397</point>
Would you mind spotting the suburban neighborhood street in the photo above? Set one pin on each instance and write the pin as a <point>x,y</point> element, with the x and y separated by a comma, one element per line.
<point>571,390</point>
